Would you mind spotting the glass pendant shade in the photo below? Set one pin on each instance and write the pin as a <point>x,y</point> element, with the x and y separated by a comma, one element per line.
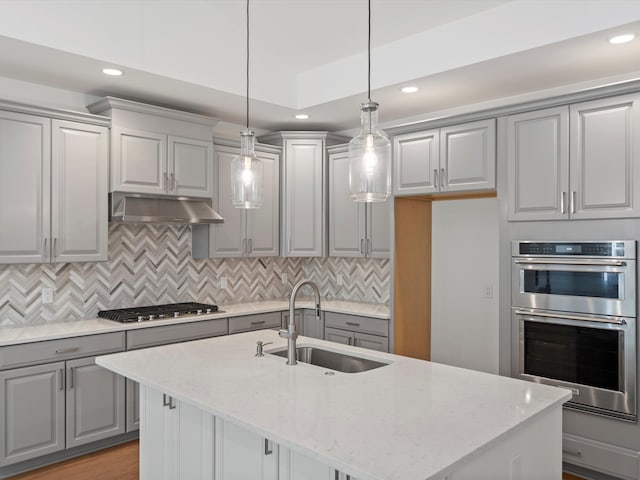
<point>247,174</point>
<point>370,159</point>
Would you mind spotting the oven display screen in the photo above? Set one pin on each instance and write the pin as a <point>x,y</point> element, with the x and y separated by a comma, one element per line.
<point>569,249</point>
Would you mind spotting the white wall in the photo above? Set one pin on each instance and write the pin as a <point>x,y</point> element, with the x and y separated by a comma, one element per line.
<point>464,323</point>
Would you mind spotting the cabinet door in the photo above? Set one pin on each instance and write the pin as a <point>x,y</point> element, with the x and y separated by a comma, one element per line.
<point>338,336</point>
<point>263,224</point>
<point>468,156</point>
<point>346,218</point>
<point>133,405</point>
<point>312,325</point>
<point>416,163</point>
<point>139,161</point>
<point>242,454</point>
<point>32,421</point>
<point>379,229</point>
<point>25,188</point>
<point>95,402</point>
<point>226,239</point>
<point>190,167</point>
<point>303,198</point>
<point>158,440</point>
<point>605,158</point>
<point>297,466</point>
<point>372,342</point>
<point>79,180</point>
<point>538,165</point>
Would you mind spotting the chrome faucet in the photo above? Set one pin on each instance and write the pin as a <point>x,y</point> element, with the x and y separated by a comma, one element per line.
<point>290,334</point>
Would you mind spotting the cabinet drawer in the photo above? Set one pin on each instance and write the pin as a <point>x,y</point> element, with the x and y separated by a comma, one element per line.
<point>356,323</point>
<point>254,322</point>
<point>610,459</point>
<point>62,349</point>
<point>152,336</point>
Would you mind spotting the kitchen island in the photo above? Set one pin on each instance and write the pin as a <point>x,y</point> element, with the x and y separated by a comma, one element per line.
<point>212,409</point>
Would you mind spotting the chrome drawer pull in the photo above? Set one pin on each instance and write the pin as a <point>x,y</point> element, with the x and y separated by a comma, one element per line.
<point>62,351</point>
<point>574,453</point>
<point>352,324</point>
<point>261,322</point>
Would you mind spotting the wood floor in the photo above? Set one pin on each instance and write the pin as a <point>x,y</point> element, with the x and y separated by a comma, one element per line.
<point>115,463</point>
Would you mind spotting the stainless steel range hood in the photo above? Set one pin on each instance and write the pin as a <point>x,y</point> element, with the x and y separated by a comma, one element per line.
<point>142,208</point>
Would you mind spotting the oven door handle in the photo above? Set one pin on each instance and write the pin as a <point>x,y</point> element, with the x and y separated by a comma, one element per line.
<point>596,262</point>
<point>581,318</point>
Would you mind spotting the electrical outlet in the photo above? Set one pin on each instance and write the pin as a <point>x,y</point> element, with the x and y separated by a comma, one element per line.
<point>223,282</point>
<point>339,280</point>
<point>284,278</point>
<point>47,295</point>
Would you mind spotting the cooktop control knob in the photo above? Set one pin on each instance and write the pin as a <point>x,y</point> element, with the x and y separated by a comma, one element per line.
<point>199,311</point>
<point>151,317</point>
<point>176,314</point>
<point>140,318</point>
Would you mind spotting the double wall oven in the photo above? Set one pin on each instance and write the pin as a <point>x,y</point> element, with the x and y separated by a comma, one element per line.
<point>574,321</point>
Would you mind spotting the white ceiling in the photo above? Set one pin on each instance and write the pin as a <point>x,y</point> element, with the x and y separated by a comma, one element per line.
<point>310,55</point>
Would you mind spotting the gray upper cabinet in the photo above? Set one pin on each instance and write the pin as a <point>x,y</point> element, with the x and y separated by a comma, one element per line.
<point>32,417</point>
<point>245,232</point>
<point>604,161</point>
<point>456,158</point>
<point>303,180</point>
<point>578,161</point>
<point>356,229</point>
<point>53,189</point>
<point>538,164</point>
<point>156,150</point>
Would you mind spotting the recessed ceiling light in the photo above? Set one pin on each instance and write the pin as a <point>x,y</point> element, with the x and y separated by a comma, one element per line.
<point>410,89</point>
<point>114,72</point>
<point>302,116</point>
<point>627,37</point>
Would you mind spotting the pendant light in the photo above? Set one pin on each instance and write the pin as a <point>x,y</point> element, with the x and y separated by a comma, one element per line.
<point>247,169</point>
<point>370,151</point>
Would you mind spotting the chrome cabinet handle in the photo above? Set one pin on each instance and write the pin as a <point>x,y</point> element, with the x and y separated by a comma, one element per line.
<point>165,182</point>
<point>353,324</point>
<point>71,370</point>
<point>362,246</point>
<point>435,177</point>
<point>61,373</point>
<point>267,450</point>
<point>172,403</point>
<point>443,178</point>
<point>44,248</point>
<point>261,322</point>
<point>573,201</point>
<point>174,183</point>
<point>166,400</point>
<point>579,318</point>
<point>54,250</point>
<point>62,351</point>
<point>574,453</point>
<point>563,198</point>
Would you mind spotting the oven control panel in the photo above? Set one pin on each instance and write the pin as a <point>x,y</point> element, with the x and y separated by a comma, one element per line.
<point>591,249</point>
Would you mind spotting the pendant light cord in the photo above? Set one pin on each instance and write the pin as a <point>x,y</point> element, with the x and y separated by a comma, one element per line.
<point>247,64</point>
<point>369,57</point>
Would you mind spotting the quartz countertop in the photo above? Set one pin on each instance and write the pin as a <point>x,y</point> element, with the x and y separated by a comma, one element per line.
<point>409,420</point>
<point>92,326</point>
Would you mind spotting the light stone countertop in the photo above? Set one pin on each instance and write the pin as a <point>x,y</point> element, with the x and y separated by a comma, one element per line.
<point>92,326</point>
<point>409,420</point>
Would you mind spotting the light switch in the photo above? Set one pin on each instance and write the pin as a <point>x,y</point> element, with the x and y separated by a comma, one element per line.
<point>284,278</point>
<point>223,282</point>
<point>339,280</point>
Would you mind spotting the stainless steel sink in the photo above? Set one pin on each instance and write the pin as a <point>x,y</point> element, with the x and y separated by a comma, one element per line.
<point>332,360</point>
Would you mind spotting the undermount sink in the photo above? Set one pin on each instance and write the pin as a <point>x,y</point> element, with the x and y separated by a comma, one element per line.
<point>332,360</point>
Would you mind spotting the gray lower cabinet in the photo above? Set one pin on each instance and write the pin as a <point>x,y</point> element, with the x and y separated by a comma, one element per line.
<point>33,411</point>
<point>62,401</point>
<point>312,326</point>
<point>358,331</point>
<point>259,321</point>
<point>95,402</point>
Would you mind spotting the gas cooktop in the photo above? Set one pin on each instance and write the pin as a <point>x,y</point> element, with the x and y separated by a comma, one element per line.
<point>155,312</point>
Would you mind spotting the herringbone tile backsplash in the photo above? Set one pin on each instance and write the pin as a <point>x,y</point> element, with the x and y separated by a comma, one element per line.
<point>151,264</point>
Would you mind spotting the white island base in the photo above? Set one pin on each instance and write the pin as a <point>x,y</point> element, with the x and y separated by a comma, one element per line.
<point>211,410</point>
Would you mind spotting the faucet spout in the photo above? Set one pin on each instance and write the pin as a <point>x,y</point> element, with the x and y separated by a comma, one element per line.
<point>290,333</point>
